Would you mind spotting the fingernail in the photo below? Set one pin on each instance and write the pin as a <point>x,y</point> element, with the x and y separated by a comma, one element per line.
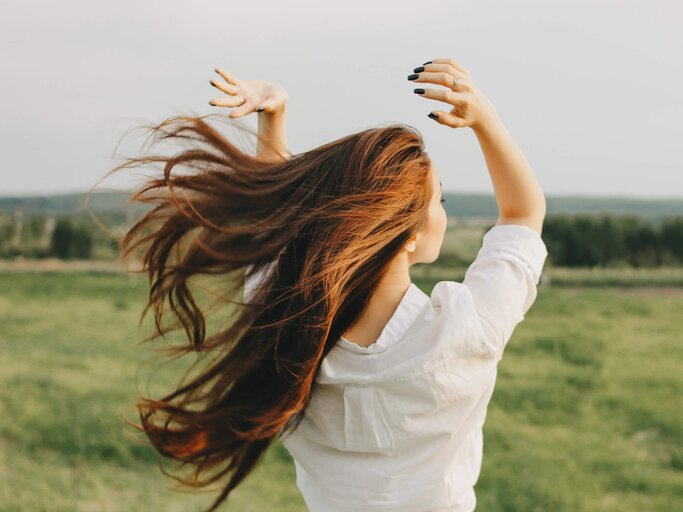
<point>419,91</point>
<point>261,109</point>
<point>433,115</point>
<point>212,103</point>
<point>419,70</point>
<point>412,77</point>
<point>211,82</point>
<point>428,62</point>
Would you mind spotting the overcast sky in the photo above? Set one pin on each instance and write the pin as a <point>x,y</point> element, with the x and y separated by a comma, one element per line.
<point>591,90</point>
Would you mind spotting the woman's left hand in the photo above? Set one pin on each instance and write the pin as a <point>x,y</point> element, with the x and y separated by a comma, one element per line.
<point>248,95</point>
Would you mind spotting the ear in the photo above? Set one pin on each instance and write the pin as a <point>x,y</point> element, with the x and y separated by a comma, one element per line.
<point>410,245</point>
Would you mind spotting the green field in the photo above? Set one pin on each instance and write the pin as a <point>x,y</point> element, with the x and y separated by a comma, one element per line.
<point>587,414</point>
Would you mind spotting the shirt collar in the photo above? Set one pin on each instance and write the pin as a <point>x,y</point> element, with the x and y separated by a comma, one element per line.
<point>406,312</point>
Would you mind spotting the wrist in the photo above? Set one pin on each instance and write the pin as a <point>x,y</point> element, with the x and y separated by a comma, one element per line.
<point>487,124</point>
<point>279,111</point>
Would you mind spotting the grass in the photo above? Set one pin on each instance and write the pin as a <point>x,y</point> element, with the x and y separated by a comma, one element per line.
<point>587,413</point>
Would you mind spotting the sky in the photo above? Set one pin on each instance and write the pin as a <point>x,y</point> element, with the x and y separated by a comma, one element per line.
<point>590,90</point>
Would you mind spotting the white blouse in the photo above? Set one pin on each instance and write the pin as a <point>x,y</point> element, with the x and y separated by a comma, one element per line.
<point>398,425</point>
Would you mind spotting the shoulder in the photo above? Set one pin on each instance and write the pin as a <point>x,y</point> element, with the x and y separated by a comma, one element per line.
<point>445,291</point>
<point>452,297</point>
<point>457,319</point>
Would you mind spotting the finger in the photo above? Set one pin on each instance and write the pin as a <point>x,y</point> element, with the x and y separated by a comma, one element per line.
<point>440,68</point>
<point>232,101</point>
<point>225,87</point>
<point>440,78</point>
<point>243,110</point>
<point>447,96</point>
<point>228,77</point>
<point>450,62</point>
<point>448,119</point>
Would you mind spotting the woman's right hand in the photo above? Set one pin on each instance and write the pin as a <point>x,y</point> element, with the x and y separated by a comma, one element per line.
<point>470,107</point>
<point>248,96</point>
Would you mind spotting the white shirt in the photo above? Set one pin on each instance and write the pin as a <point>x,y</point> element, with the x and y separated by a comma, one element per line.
<point>398,425</point>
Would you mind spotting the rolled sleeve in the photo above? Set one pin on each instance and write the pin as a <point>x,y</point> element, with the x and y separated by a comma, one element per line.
<point>503,278</point>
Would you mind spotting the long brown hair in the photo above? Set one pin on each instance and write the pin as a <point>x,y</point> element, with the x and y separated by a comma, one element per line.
<point>329,220</point>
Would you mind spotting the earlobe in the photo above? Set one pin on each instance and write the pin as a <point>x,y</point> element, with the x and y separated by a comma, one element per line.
<point>410,246</point>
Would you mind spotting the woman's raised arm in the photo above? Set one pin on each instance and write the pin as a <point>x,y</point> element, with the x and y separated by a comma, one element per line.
<point>268,99</point>
<point>272,127</point>
<point>519,196</point>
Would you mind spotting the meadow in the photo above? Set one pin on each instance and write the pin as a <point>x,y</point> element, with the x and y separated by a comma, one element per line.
<point>587,414</point>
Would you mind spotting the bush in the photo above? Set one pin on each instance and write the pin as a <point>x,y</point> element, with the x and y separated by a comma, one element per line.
<point>591,240</point>
<point>70,240</point>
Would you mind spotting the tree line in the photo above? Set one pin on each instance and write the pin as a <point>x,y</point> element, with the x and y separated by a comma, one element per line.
<point>607,240</point>
<point>573,240</point>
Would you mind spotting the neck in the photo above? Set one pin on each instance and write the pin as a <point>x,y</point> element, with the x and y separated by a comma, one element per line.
<point>394,283</point>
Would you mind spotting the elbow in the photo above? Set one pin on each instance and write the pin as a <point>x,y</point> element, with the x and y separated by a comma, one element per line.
<point>533,216</point>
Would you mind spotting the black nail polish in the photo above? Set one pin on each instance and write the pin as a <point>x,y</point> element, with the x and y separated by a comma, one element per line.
<point>419,91</point>
<point>419,70</point>
<point>433,115</point>
<point>428,62</point>
<point>212,83</point>
<point>212,104</point>
<point>260,110</point>
<point>412,77</point>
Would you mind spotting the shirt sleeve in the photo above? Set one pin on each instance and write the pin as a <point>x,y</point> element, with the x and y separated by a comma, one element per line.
<point>502,280</point>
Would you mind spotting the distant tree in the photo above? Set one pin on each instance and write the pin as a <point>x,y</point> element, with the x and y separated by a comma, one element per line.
<point>557,237</point>
<point>6,232</point>
<point>592,239</point>
<point>82,242</point>
<point>573,241</point>
<point>671,235</point>
<point>62,238</point>
<point>611,243</point>
<point>35,225</point>
<point>70,240</point>
<point>589,245</point>
<point>642,242</point>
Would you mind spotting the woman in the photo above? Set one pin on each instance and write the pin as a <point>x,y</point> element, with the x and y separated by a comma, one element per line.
<point>378,390</point>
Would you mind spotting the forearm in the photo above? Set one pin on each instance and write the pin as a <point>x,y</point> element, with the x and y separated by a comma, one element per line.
<point>272,128</point>
<point>518,193</point>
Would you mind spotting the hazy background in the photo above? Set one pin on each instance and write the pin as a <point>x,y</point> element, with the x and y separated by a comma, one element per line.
<point>591,90</point>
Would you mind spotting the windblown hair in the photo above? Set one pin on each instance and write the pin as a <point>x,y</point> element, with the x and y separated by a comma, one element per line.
<point>328,220</point>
